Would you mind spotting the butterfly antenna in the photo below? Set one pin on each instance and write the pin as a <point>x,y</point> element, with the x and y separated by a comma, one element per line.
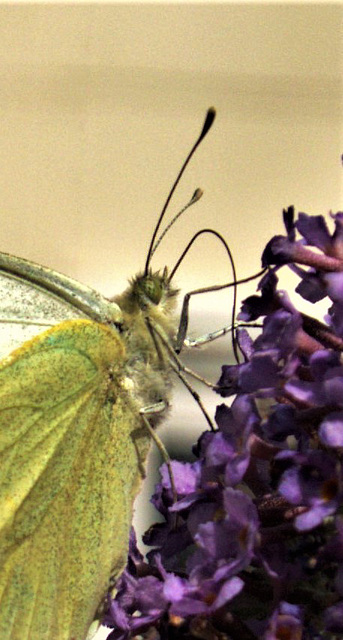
<point>195,197</point>
<point>210,116</point>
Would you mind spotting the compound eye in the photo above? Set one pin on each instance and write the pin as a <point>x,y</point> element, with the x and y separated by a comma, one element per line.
<point>152,288</point>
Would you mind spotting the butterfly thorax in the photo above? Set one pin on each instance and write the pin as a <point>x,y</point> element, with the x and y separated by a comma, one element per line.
<point>148,306</point>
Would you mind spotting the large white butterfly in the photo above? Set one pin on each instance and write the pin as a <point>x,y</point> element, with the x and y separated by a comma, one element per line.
<point>82,380</point>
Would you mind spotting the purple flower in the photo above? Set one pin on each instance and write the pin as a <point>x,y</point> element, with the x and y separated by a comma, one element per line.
<point>187,597</point>
<point>334,618</point>
<point>167,538</point>
<point>281,423</point>
<point>226,452</point>
<point>312,481</point>
<point>255,306</point>
<point>285,622</point>
<point>315,231</point>
<point>226,542</point>
<point>285,249</point>
<point>139,601</point>
<point>139,604</point>
<point>251,543</point>
<point>331,429</point>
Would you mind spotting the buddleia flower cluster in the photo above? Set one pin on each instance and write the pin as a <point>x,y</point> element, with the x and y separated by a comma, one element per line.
<point>253,546</point>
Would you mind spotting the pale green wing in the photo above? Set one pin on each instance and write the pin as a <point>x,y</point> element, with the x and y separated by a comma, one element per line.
<point>34,298</point>
<point>71,453</point>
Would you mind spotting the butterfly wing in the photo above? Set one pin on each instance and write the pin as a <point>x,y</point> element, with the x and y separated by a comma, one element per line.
<point>34,297</point>
<point>27,310</point>
<point>70,453</point>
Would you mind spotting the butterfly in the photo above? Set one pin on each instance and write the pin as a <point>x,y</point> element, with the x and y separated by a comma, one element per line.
<point>77,400</point>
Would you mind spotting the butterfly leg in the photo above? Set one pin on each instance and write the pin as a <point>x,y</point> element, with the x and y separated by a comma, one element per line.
<point>181,339</point>
<point>154,409</point>
<point>214,335</point>
<point>207,337</point>
<point>180,373</point>
<point>180,369</point>
<point>183,324</point>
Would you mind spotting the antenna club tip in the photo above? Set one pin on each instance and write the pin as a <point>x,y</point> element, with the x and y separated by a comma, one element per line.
<point>198,193</point>
<point>210,116</point>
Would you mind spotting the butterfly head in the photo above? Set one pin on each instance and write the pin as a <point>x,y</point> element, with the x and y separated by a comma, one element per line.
<point>149,294</point>
<point>153,289</point>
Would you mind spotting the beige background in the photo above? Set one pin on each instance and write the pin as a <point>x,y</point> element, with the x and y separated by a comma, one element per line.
<point>99,106</point>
